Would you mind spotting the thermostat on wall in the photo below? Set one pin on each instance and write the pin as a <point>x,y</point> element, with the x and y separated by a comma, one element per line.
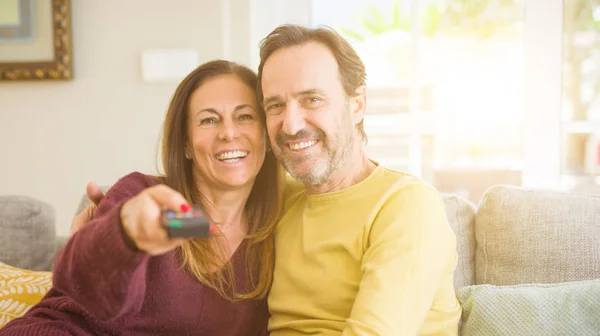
<point>168,65</point>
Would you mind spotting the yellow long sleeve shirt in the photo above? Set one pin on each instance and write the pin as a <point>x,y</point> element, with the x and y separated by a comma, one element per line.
<point>376,258</point>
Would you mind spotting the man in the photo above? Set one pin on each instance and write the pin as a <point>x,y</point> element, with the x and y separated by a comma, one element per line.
<point>361,249</point>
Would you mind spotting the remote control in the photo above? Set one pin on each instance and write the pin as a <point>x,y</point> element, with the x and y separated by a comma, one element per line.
<point>192,224</point>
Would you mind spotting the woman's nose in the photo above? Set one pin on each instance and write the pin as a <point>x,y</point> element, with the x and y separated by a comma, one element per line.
<point>228,131</point>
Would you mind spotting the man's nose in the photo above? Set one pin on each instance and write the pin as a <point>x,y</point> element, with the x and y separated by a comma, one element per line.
<point>293,120</point>
<point>228,130</point>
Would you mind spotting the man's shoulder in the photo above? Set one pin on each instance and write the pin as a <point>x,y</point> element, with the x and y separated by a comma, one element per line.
<point>389,179</point>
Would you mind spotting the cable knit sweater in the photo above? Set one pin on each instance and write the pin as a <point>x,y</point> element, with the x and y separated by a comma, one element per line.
<point>101,287</point>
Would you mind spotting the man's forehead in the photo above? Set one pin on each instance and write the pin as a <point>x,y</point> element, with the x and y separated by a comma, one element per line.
<point>310,51</point>
<point>299,68</point>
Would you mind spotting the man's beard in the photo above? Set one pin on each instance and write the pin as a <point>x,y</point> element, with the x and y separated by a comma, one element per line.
<point>334,153</point>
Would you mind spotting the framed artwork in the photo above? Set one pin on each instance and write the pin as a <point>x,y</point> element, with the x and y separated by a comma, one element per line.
<point>35,40</point>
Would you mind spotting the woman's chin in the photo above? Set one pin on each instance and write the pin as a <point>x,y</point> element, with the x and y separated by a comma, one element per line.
<point>235,181</point>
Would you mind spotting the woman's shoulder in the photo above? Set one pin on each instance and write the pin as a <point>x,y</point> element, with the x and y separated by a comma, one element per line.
<point>134,182</point>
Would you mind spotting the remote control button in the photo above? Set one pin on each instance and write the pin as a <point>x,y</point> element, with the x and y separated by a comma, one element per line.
<point>170,214</point>
<point>175,223</point>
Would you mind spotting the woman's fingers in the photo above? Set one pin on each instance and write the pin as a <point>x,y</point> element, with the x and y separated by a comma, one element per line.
<point>142,219</point>
<point>169,198</point>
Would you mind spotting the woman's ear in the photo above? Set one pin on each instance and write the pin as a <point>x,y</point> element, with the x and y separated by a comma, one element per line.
<point>267,142</point>
<point>187,152</point>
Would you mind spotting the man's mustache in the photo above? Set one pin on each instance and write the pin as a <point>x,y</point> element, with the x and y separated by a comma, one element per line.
<point>302,135</point>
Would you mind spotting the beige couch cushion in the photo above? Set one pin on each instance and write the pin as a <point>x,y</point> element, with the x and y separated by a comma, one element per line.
<point>527,236</point>
<point>461,216</point>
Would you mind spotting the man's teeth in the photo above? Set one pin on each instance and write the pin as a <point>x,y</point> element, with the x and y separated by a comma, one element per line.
<point>303,145</point>
<point>232,156</point>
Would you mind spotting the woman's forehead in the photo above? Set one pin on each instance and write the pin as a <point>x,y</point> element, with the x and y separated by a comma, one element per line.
<point>225,92</point>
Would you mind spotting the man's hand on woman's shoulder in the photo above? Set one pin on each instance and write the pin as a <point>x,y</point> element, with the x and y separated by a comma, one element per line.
<point>95,195</point>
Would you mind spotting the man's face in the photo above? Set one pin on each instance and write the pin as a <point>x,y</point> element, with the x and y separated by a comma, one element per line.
<point>309,118</point>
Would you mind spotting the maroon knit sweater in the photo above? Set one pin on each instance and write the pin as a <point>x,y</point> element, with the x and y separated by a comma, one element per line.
<point>101,287</point>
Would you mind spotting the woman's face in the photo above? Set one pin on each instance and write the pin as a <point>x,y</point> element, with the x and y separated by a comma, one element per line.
<point>227,141</point>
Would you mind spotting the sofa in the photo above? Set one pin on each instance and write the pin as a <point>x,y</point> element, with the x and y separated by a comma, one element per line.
<point>528,260</point>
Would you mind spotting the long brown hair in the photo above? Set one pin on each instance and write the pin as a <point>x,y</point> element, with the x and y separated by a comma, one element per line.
<point>351,68</point>
<point>262,208</point>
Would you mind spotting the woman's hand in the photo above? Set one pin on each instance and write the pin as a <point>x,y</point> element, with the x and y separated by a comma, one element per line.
<point>141,219</point>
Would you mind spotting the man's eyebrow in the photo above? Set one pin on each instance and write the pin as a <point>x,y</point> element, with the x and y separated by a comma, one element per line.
<point>295,94</point>
<point>308,92</point>
<point>268,100</point>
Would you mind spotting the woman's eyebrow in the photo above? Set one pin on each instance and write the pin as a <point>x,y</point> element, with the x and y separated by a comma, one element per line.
<point>237,108</point>
<point>209,110</point>
<point>243,106</point>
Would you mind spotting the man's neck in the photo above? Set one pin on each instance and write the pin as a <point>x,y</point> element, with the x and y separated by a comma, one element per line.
<point>354,170</point>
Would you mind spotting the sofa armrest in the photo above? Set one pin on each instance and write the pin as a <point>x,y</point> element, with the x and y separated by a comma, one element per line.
<point>27,233</point>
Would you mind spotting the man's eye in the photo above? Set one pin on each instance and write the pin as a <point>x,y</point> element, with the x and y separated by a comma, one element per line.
<point>274,108</point>
<point>312,102</point>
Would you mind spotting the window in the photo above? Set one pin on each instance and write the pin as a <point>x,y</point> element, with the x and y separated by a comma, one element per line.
<point>445,83</point>
<point>464,93</point>
<point>580,114</point>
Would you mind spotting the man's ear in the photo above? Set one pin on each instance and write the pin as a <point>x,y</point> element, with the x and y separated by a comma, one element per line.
<point>359,104</point>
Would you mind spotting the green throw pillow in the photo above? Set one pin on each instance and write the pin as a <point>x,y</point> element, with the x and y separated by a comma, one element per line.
<point>571,308</point>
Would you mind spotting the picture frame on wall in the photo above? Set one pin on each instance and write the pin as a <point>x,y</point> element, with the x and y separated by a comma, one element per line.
<point>35,40</point>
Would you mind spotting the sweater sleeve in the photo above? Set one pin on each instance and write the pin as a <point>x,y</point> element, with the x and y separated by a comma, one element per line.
<point>409,257</point>
<point>96,269</point>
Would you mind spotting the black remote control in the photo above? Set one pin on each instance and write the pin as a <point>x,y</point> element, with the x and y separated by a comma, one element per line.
<point>191,224</point>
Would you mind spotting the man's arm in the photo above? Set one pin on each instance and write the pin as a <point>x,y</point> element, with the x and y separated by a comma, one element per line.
<point>411,248</point>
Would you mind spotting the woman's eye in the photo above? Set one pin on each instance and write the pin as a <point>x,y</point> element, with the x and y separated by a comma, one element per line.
<point>208,121</point>
<point>246,117</point>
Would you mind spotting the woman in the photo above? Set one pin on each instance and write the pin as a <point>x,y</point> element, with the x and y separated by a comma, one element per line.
<point>121,274</point>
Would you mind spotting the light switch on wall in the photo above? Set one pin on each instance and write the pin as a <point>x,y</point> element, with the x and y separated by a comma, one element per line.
<point>167,65</point>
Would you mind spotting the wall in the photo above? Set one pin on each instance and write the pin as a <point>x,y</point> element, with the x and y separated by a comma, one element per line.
<point>57,136</point>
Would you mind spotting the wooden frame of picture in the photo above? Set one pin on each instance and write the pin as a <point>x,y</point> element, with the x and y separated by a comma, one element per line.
<point>37,44</point>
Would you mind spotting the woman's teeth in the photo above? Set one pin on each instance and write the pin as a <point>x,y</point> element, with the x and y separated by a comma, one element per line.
<point>231,157</point>
<point>303,145</point>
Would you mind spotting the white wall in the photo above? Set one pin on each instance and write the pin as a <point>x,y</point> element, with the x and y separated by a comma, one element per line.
<point>57,136</point>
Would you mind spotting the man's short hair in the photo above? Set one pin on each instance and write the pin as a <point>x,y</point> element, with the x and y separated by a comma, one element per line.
<point>350,66</point>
